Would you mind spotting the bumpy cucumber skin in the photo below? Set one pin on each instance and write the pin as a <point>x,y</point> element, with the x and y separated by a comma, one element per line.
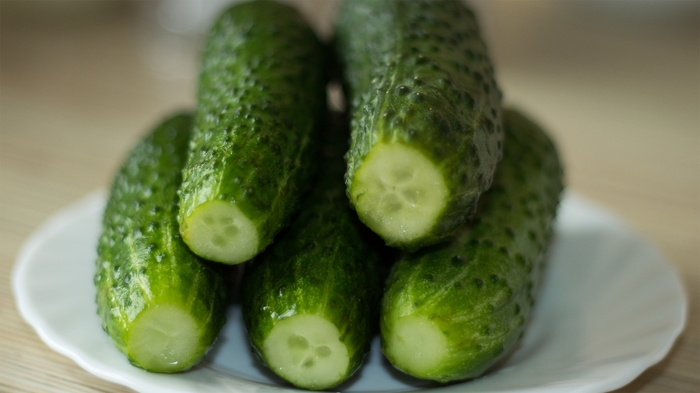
<point>479,288</point>
<point>261,96</point>
<point>325,264</point>
<point>141,260</point>
<point>418,73</point>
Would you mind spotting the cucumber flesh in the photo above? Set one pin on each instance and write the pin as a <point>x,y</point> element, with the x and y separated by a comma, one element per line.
<point>419,342</point>
<point>399,193</point>
<point>219,231</point>
<point>306,350</point>
<point>165,339</point>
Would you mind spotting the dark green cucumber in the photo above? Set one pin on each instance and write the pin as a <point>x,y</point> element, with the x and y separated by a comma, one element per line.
<point>310,301</point>
<point>426,118</point>
<point>162,305</point>
<point>451,311</point>
<point>261,96</point>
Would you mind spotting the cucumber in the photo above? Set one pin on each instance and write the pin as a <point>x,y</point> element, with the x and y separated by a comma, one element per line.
<point>426,118</point>
<point>310,301</point>
<point>260,99</point>
<point>451,311</point>
<point>162,305</point>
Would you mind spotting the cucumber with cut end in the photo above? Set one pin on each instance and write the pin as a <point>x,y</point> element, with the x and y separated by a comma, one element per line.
<point>162,305</point>
<point>310,300</point>
<point>426,118</point>
<point>261,96</point>
<point>452,310</point>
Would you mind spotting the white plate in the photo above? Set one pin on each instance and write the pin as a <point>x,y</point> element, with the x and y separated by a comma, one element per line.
<point>611,307</point>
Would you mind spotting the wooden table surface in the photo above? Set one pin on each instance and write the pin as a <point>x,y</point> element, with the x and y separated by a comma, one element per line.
<point>620,94</point>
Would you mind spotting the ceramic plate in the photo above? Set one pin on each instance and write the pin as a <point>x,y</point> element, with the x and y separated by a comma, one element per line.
<point>611,306</point>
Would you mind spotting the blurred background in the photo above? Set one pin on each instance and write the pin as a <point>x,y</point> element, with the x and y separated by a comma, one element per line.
<point>616,82</point>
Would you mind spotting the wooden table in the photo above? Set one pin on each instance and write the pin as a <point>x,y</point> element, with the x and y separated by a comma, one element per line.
<point>621,98</point>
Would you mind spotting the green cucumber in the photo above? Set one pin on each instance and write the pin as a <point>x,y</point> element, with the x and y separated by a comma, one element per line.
<point>261,96</point>
<point>310,301</point>
<point>426,118</point>
<point>162,305</point>
<point>451,311</point>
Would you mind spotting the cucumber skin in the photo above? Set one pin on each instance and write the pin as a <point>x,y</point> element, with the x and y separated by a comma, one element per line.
<point>260,99</point>
<point>326,263</point>
<point>418,73</point>
<point>142,262</point>
<point>480,287</point>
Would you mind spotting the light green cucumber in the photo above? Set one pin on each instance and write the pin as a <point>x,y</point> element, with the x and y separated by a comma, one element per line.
<point>426,116</point>
<point>261,96</point>
<point>310,300</point>
<point>162,305</point>
<point>451,311</point>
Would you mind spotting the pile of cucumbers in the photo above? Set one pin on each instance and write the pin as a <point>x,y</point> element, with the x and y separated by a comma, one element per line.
<point>424,213</point>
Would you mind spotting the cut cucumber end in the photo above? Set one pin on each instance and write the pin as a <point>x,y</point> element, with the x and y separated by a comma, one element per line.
<point>416,346</point>
<point>220,232</point>
<point>165,339</point>
<point>306,350</point>
<point>399,193</point>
